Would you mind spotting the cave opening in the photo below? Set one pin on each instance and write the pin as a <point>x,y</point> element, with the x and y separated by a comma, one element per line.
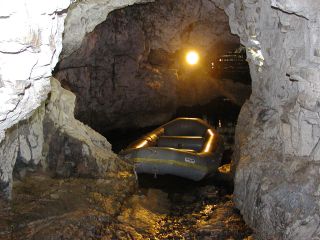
<point>131,75</point>
<point>147,64</point>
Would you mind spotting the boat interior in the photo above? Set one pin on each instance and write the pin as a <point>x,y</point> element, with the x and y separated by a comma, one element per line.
<point>185,134</point>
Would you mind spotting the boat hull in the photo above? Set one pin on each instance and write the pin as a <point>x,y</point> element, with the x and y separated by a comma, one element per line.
<point>163,161</point>
<point>185,147</point>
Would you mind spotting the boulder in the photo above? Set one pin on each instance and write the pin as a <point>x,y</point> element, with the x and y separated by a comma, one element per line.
<point>71,148</point>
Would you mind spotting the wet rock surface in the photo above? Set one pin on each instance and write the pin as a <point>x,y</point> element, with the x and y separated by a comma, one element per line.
<point>185,210</point>
<point>46,208</point>
<point>114,208</point>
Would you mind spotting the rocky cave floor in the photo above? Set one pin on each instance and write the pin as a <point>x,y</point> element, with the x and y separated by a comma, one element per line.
<point>119,208</point>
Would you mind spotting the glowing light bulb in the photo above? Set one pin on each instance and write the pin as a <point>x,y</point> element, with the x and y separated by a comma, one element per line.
<point>192,57</point>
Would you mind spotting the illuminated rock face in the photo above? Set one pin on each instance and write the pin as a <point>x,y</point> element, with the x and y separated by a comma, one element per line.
<point>123,73</point>
<point>63,146</point>
<point>23,142</point>
<point>277,178</point>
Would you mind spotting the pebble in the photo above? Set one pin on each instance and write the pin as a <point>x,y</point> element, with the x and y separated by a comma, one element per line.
<point>54,196</point>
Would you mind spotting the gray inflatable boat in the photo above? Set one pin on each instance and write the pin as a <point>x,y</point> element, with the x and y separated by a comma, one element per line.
<point>185,147</point>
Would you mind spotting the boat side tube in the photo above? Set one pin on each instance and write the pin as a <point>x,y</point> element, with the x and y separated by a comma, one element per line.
<point>180,162</point>
<point>161,161</point>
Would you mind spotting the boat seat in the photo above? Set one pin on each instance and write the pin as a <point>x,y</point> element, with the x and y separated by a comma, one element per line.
<point>181,142</point>
<point>185,127</point>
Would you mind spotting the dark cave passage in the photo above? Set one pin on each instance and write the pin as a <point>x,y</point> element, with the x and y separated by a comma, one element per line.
<point>131,75</point>
<point>221,113</point>
<point>130,72</point>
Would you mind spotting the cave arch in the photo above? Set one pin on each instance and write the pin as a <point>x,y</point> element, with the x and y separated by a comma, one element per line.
<point>276,180</point>
<point>129,72</point>
<point>269,131</point>
<point>277,151</point>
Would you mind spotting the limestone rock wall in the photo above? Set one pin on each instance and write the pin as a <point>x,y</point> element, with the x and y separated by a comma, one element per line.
<point>84,16</point>
<point>30,43</point>
<point>124,71</point>
<point>23,142</point>
<point>55,140</point>
<point>277,141</point>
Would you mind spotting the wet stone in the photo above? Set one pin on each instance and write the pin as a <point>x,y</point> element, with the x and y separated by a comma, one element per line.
<point>198,211</point>
<point>114,208</point>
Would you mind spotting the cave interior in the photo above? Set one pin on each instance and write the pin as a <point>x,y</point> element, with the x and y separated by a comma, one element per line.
<point>106,73</point>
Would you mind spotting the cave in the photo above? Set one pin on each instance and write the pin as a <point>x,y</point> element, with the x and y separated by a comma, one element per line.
<point>130,71</point>
<point>75,75</point>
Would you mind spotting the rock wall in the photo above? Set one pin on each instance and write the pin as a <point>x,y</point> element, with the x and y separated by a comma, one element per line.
<point>277,138</point>
<point>84,16</point>
<point>124,71</point>
<point>70,147</point>
<point>30,43</point>
<point>55,140</point>
<point>23,142</point>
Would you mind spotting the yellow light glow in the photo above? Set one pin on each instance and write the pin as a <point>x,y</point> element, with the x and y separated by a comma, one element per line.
<point>192,57</point>
<point>142,144</point>
<point>208,145</point>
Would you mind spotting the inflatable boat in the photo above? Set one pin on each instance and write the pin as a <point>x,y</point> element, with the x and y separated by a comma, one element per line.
<point>185,147</point>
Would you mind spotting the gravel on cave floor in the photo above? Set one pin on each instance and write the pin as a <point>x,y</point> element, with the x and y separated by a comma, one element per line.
<point>174,208</point>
